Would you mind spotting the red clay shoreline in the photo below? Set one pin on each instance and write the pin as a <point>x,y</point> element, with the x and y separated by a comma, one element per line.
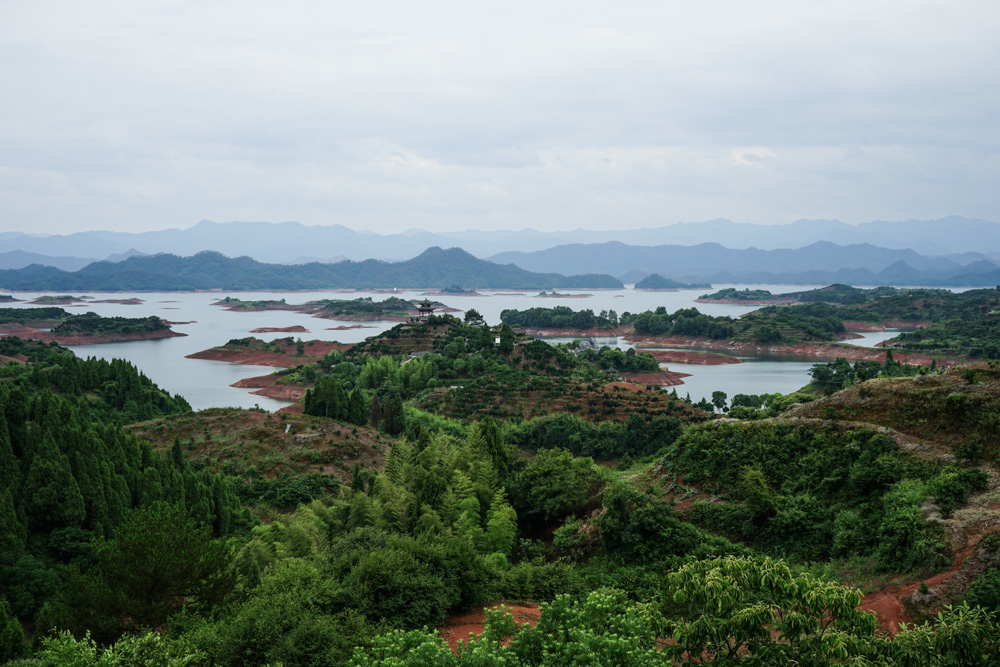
<point>806,351</point>
<point>46,337</point>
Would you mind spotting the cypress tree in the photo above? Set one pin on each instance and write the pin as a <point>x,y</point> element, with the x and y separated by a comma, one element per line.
<point>51,493</point>
<point>358,416</point>
<point>375,412</point>
<point>10,472</point>
<point>12,532</point>
<point>12,643</point>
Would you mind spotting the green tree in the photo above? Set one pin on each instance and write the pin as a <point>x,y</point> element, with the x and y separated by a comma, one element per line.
<point>12,643</point>
<point>158,560</point>
<point>725,608</point>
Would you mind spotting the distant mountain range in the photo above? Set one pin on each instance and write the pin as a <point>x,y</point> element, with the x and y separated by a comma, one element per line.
<point>817,264</point>
<point>211,270</point>
<point>288,242</point>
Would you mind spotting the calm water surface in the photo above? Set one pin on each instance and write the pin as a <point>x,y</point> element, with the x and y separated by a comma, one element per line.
<point>206,383</point>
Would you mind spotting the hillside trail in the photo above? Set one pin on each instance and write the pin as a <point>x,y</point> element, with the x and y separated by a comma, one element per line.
<point>896,603</point>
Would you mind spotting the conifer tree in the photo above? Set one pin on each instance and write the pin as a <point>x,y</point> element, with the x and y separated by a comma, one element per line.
<point>375,412</point>
<point>52,496</point>
<point>501,525</point>
<point>12,531</point>
<point>12,642</point>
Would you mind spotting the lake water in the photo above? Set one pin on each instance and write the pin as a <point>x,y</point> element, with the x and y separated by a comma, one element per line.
<point>206,383</point>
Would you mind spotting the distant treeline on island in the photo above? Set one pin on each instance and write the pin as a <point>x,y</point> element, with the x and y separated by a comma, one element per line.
<point>211,270</point>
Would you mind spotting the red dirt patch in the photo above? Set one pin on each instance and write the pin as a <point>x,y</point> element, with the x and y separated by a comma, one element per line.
<point>267,385</point>
<point>809,351</point>
<point>656,378</point>
<point>47,337</point>
<point>344,328</point>
<point>298,328</point>
<point>700,358</point>
<point>249,356</point>
<point>460,626</point>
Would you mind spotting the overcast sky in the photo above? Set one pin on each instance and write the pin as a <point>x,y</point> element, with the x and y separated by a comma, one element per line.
<point>451,115</point>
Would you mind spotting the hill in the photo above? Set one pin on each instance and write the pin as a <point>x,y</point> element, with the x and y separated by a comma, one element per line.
<point>818,263</point>
<point>286,242</point>
<point>434,267</point>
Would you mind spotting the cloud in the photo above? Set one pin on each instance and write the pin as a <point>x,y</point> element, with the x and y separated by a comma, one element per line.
<point>449,115</point>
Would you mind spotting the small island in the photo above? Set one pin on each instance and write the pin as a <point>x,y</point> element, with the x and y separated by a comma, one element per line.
<point>86,329</point>
<point>363,309</point>
<point>654,282</point>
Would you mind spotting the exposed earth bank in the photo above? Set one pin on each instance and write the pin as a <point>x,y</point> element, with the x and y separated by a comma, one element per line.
<point>298,328</point>
<point>699,358</point>
<point>459,626</point>
<point>805,351</point>
<point>47,337</point>
<point>258,357</point>
<point>656,378</point>
<point>267,385</point>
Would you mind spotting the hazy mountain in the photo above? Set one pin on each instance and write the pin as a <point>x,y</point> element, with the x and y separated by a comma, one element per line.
<point>821,262</point>
<point>285,242</point>
<point>16,259</point>
<point>211,270</point>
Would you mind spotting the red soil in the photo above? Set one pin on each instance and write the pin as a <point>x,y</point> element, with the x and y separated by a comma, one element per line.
<point>886,601</point>
<point>563,296</point>
<point>656,378</point>
<point>267,385</point>
<point>808,351</point>
<point>298,328</point>
<point>460,626</point>
<point>47,337</point>
<point>344,328</point>
<point>314,349</point>
<point>701,358</point>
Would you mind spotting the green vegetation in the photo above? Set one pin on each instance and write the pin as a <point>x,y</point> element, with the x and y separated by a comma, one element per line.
<point>977,338</point>
<point>212,270</point>
<point>332,308</point>
<point>780,326</point>
<point>91,324</point>
<point>560,317</point>
<point>811,492</point>
<point>25,315</point>
<point>436,471</point>
<point>656,281</point>
<point>731,293</point>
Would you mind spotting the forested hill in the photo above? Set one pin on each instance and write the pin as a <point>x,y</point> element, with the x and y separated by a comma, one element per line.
<point>434,267</point>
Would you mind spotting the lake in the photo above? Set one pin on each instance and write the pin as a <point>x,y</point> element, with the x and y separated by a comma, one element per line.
<point>206,383</point>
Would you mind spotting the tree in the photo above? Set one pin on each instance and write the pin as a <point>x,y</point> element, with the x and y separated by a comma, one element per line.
<point>725,608</point>
<point>12,643</point>
<point>719,400</point>
<point>158,560</point>
<point>506,340</point>
<point>472,317</point>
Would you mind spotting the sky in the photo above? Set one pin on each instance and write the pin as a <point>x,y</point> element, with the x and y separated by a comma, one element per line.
<point>136,116</point>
